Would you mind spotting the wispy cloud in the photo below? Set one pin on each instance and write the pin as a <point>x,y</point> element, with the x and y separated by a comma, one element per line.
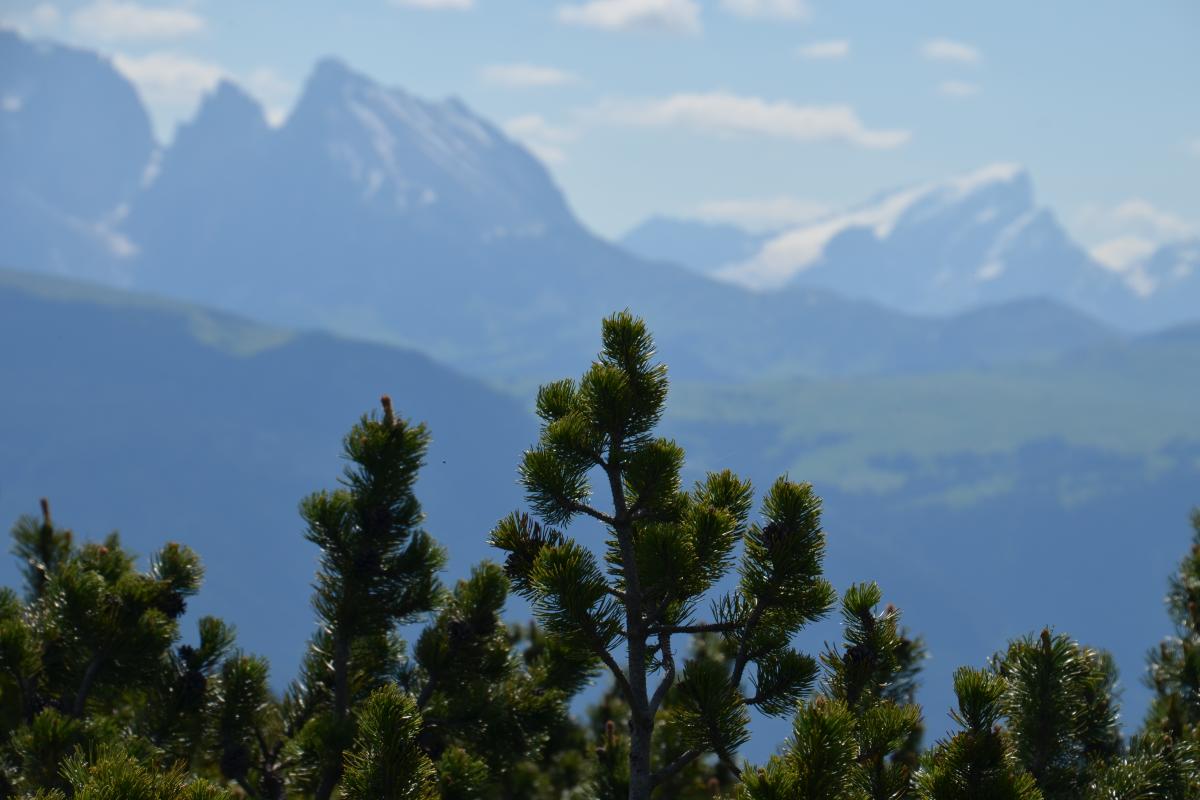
<point>175,83</point>
<point>40,19</point>
<point>541,137</point>
<point>771,9</point>
<point>1122,253</point>
<point>959,90</point>
<point>1193,147</point>
<point>114,20</point>
<point>522,76</point>
<point>762,213</point>
<point>666,16</point>
<point>1128,234</point>
<point>727,114</point>
<point>274,91</point>
<point>830,50</point>
<point>167,79</point>
<point>436,5</point>
<point>950,50</point>
<point>1156,221</point>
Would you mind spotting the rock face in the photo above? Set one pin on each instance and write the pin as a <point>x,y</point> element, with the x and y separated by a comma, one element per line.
<point>73,134</point>
<point>74,144</point>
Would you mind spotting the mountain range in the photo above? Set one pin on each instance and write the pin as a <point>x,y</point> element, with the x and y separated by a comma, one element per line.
<point>368,209</point>
<point>939,248</point>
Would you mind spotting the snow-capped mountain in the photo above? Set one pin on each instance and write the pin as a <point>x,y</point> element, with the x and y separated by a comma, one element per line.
<point>1169,279</point>
<point>942,248</point>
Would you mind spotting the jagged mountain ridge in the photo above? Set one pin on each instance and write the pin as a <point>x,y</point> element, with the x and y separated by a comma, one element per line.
<point>377,214</point>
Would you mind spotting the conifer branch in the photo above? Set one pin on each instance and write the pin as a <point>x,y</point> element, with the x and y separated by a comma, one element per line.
<point>85,686</point>
<point>704,627</point>
<point>675,766</point>
<point>584,508</point>
<point>613,667</point>
<point>743,654</point>
<point>617,593</point>
<point>668,659</point>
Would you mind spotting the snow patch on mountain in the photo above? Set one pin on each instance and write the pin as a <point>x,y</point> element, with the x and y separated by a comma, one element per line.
<point>786,255</point>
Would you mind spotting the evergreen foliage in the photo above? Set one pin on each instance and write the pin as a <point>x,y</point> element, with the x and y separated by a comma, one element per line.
<point>102,699</point>
<point>979,762</point>
<point>664,549</point>
<point>95,687</point>
<point>1061,712</point>
<point>1174,673</point>
<point>853,739</point>
<point>378,570</point>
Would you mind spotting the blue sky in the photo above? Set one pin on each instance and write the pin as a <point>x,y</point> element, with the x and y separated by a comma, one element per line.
<point>761,111</point>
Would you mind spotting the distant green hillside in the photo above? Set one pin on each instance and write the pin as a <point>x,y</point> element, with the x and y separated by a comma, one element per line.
<point>1131,399</point>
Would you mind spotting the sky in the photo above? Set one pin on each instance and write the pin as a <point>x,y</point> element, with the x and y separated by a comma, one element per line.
<point>759,112</point>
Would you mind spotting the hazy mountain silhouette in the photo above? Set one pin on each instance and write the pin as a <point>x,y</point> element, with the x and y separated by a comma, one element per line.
<point>381,215</point>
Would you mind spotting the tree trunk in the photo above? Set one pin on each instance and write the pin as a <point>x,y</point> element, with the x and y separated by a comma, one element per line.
<point>640,773</point>
<point>341,705</point>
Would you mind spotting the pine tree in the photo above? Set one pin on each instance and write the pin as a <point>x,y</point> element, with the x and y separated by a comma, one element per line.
<point>386,763</point>
<point>1155,768</point>
<point>113,773</point>
<point>479,712</point>
<point>1174,667</point>
<point>1061,711</point>
<point>853,739</point>
<point>702,779</point>
<point>1166,755</point>
<point>90,665</point>
<point>378,571</point>
<point>979,762</point>
<point>665,548</point>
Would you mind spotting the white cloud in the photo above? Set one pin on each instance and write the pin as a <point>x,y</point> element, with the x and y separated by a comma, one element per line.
<point>115,20</point>
<point>958,89</point>
<point>173,84</point>
<point>723,113</point>
<point>667,16</point>
<point>274,91</point>
<point>776,9</point>
<point>762,213</point>
<point>1155,221</point>
<point>1122,253</point>
<point>830,50</point>
<point>1193,147</point>
<point>436,5</point>
<point>950,50</point>
<point>542,138</point>
<point>169,80</point>
<point>521,76</point>
<point>40,19</point>
<point>45,15</point>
